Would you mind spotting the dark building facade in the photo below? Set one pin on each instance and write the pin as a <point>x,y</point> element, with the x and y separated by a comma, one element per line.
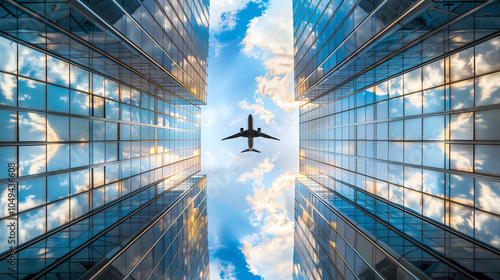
<point>399,141</point>
<point>100,139</point>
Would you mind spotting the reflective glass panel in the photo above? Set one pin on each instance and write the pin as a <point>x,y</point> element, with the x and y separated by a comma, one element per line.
<point>434,100</point>
<point>488,56</point>
<point>79,155</point>
<point>57,157</point>
<point>112,89</point>
<point>462,65</point>
<point>487,125</point>
<point>396,86</point>
<point>433,183</point>
<point>31,63</point>
<point>98,130</point>
<point>80,181</point>
<point>487,159</point>
<point>462,218</point>
<point>433,128</point>
<point>8,89</point>
<point>79,205</point>
<point>8,125</point>
<point>79,78</point>
<point>31,224</point>
<point>462,94</point>
<point>461,126</point>
<point>433,154</point>
<point>462,189</point>
<point>57,128</point>
<point>487,89</point>
<point>413,104</point>
<point>98,106</point>
<point>396,107</point>
<point>31,127</point>
<point>31,160</point>
<point>57,186</point>
<point>97,85</point>
<point>413,153</point>
<point>79,103</point>
<point>8,49</point>
<point>57,99</point>
<point>461,157</point>
<point>433,74</point>
<point>433,208</point>
<point>413,178</point>
<point>487,195</point>
<point>57,71</point>
<point>413,129</point>
<point>79,129</point>
<point>31,194</point>
<point>9,155</point>
<point>112,110</point>
<point>413,81</point>
<point>57,214</point>
<point>413,200</point>
<point>487,228</point>
<point>31,94</point>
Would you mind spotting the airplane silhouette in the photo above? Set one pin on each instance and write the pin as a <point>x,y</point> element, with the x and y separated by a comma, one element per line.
<point>250,133</point>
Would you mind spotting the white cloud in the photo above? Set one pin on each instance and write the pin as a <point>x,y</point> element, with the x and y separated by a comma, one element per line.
<point>258,172</point>
<point>223,14</point>
<point>209,122</point>
<point>269,37</point>
<point>275,240</point>
<point>258,108</point>
<point>222,270</point>
<point>210,157</point>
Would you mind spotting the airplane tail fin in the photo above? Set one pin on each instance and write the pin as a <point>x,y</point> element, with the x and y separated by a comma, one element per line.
<point>248,150</point>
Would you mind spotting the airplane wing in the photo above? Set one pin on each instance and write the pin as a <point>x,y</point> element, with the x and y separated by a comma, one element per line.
<point>267,136</point>
<point>239,134</point>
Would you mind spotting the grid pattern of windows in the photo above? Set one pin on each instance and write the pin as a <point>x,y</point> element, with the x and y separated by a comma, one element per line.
<point>85,146</point>
<point>398,132</point>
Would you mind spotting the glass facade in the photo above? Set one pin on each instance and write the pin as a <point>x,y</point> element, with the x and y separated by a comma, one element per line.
<point>100,122</point>
<point>398,138</point>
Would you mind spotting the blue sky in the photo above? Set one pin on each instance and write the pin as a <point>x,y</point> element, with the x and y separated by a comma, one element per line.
<point>250,196</point>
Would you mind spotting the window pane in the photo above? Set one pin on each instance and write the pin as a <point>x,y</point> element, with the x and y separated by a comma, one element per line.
<point>9,155</point>
<point>79,155</point>
<point>57,187</point>
<point>57,128</point>
<point>31,94</point>
<point>57,71</point>
<point>433,183</point>
<point>98,131</point>
<point>396,86</point>
<point>433,154</point>
<point>487,159</point>
<point>462,94</point>
<point>462,189</point>
<point>31,194</point>
<point>8,125</point>
<point>462,65</point>
<point>98,153</point>
<point>79,78</point>
<point>97,85</point>
<point>433,128</point>
<point>488,56</point>
<point>461,157</point>
<point>98,106</point>
<point>413,200</point>
<point>413,153</point>
<point>8,89</point>
<point>112,89</point>
<point>413,178</point>
<point>413,129</point>
<point>488,89</point>
<point>433,208</point>
<point>31,127</point>
<point>80,181</point>
<point>57,99</point>
<point>111,131</point>
<point>8,49</point>
<point>79,205</point>
<point>79,103</point>
<point>434,100</point>
<point>396,130</point>
<point>461,126</point>
<point>413,81</point>
<point>31,63</point>
<point>79,129</point>
<point>125,97</point>
<point>487,195</point>
<point>487,125</point>
<point>57,157</point>
<point>57,214</point>
<point>433,74</point>
<point>487,228</point>
<point>112,110</point>
<point>31,160</point>
<point>31,224</point>
<point>413,104</point>
<point>396,107</point>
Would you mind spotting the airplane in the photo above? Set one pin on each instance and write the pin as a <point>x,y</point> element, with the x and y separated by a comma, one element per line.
<point>250,133</point>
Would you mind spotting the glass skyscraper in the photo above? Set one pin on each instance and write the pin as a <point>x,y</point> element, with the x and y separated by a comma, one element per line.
<point>100,139</point>
<point>399,139</point>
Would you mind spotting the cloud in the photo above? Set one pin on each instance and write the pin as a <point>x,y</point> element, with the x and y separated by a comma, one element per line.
<point>275,239</point>
<point>269,37</point>
<point>210,157</point>
<point>272,32</point>
<point>258,108</point>
<point>210,120</point>
<point>223,14</point>
<point>224,270</point>
<point>258,172</point>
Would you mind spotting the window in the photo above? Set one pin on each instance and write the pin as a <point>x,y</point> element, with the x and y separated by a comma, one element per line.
<point>57,99</point>
<point>8,125</point>
<point>31,94</point>
<point>8,89</point>
<point>57,71</point>
<point>31,63</point>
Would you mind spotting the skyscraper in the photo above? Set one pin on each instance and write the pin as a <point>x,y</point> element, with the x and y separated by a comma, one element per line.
<point>399,139</point>
<point>100,139</point>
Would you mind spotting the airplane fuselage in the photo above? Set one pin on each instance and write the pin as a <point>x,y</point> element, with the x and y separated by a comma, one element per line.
<point>250,134</point>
